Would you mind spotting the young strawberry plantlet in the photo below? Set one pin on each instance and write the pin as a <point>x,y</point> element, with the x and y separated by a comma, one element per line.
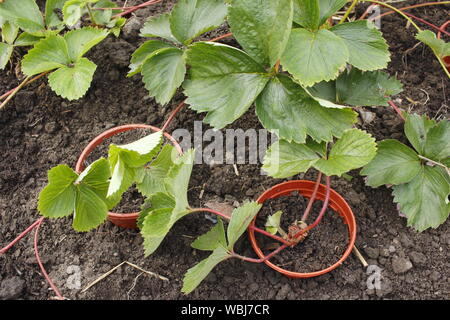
<point>420,176</point>
<point>162,63</point>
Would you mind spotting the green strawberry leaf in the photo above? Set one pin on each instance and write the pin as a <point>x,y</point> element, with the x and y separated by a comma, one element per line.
<point>262,27</point>
<point>90,209</point>
<point>197,274</point>
<point>312,57</point>
<point>424,200</point>
<point>222,81</point>
<point>24,13</point>
<point>273,222</point>
<point>73,10</point>
<point>48,54</point>
<point>240,219</point>
<point>158,27</point>
<point>103,17</point>
<point>307,13</point>
<point>151,178</point>
<point>328,8</point>
<point>6,51</point>
<point>191,18</point>
<point>358,88</point>
<point>285,159</point>
<point>353,150</point>
<point>143,52</point>
<point>163,72</point>
<point>284,106</point>
<point>158,221</point>
<point>159,200</point>
<point>82,40</point>
<point>9,32</point>
<point>394,164</point>
<point>439,46</point>
<point>212,239</point>
<point>72,82</point>
<point>367,47</point>
<point>26,39</point>
<point>52,19</point>
<point>57,199</point>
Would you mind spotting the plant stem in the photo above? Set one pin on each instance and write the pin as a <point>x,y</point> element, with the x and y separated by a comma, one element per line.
<point>20,236</point>
<point>270,255</point>
<point>313,198</point>
<point>13,93</point>
<point>268,234</point>
<point>135,8</point>
<point>396,10</point>
<point>436,163</point>
<point>399,112</point>
<point>91,16</point>
<point>349,10</point>
<point>221,37</point>
<point>28,82</point>
<point>172,115</point>
<point>404,8</point>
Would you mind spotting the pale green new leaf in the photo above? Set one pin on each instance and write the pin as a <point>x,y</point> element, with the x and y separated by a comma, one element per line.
<point>424,200</point>
<point>439,46</point>
<point>122,178</point>
<point>212,239</point>
<point>312,57</point>
<point>150,179</point>
<point>23,13</point>
<point>6,51</point>
<point>195,275</point>
<point>48,54</point>
<point>286,108</point>
<point>240,219</point>
<point>394,164</point>
<point>158,27</point>
<point>273,222</point>
<point>103,17</point>
<point>223,81</point>
<point>262,27</point>
<point>307,13</point>
<point>367,47</point>
<point>163,72</point>
<point>82,40</point>
<point>353,150</point>
<point>9,32</point>
<point>57,199</point>
<point>143,52</point>
<point>51,18</point>
<point>72,82</point>
<point>73,10</point>
<point>90,209</point>
<point>191,18</point>
<point>285,159</point>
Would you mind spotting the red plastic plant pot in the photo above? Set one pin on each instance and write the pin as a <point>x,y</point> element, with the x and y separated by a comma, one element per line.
<point>305,188</point>
<point>124,220</point>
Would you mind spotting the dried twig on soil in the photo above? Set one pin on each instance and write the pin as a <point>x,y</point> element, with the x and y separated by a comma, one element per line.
<point>360,257</point>
<point>117,267</point>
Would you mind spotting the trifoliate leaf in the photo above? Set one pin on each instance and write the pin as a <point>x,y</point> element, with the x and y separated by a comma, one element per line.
<point>163,72</point>
<point>262,27</point>
<point>159,200</point>
<point>72,82</point>
<point>90,209</point>
<point>195,275</point>
<point>394,164</point>
<point>273,222</point>
<point>9,32</point>
<point>307,13</point>
<point>312,57</point>
<point>143,52</point>
<point>285,159</point>
<point>368,49</point>
<point>328,8</point>
<point>150,179</point>
<point>158,27</point>
<point>223,81</point>
<point>51,17</point>
<point>284,106</point>
<point>6,51</point>
<point>23,13</point>
<point>439,46</point>
<point>81,41</point>
<point>212,239</point>
<point>424,200</point>
<point>353,150</point>
<point>191,18</point>
<point>57,199</point>
<point>240,219</point>
<point>26,39</point>
<point>48,54</point>
<point>358,88</point>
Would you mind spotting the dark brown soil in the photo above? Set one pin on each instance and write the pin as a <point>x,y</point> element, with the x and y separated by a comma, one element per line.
<point>39,130</point>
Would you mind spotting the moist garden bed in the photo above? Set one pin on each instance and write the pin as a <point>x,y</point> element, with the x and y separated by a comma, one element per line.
<point>39,130</point>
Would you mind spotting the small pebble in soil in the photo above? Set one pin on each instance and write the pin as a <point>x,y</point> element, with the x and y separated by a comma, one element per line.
<point>401,265</point>
<point>11,288</point>
<point>418,258</point>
